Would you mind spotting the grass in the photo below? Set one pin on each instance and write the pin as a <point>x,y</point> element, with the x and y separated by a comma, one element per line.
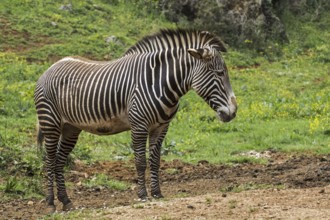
<point>48,32</point>
<point>102,180</point>
<point>283,104</point>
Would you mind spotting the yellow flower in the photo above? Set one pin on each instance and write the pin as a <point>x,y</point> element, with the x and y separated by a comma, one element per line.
<point>314,124</point>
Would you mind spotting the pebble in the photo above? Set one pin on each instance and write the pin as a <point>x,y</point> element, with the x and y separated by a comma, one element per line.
<point>190,207</point>
<point>54,24</point>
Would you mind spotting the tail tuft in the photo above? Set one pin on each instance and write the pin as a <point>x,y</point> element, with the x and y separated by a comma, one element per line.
<point>40,138</point>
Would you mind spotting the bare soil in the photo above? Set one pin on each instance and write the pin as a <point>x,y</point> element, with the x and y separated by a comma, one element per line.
<point>288,187</point>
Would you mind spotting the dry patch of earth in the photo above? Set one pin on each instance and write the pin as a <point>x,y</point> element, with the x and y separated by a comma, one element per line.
<point>311,203</point>
<point>288,187</point>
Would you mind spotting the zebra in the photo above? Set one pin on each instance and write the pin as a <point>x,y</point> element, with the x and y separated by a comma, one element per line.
<point>139,92</point>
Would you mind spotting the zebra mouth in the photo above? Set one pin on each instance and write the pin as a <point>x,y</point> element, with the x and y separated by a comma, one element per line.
<point>225,115</point>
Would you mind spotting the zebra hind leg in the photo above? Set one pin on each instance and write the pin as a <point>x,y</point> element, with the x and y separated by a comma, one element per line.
<point>156,140</point>
<point>49,122</point>
<point>68,141</point>
<point>51,142</point>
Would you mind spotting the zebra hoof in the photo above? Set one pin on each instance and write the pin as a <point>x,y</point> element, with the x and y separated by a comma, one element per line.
<point>50,209</point>
<point>68,207</point>
<point>144,199</point>
<point>158,196</point>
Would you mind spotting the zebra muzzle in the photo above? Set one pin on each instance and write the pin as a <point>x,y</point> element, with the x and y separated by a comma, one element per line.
<point>225,115</point>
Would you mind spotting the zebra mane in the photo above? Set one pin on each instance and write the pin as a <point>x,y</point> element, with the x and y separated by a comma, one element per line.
<point>176,38</point>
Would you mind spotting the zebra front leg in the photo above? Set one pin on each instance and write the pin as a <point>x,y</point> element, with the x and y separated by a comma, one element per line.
<point>139,139</point>
<point>156,139</point>
<point>68,141</point>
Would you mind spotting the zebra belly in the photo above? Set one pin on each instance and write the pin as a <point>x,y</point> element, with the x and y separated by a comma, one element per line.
<point>114,125</point>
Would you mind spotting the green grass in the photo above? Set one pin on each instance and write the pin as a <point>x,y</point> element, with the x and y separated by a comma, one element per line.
<point>46,33</point>
<point>102,180</point>
<point>284,104</point>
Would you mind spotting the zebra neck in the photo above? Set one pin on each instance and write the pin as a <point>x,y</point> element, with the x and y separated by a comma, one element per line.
<point>170,75</point>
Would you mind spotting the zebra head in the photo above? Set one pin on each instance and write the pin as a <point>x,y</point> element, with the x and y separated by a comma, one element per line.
<point>211,82</point>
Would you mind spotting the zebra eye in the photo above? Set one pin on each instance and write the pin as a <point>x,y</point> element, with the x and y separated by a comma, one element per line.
<point>219,72</point>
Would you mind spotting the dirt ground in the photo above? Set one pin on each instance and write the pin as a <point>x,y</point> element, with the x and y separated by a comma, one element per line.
<point>288,187</point>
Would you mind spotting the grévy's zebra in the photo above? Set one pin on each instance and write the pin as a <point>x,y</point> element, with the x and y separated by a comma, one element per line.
<point>139,92</point>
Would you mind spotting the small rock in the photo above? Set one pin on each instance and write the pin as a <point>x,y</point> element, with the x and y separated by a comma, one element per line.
<point>67,7</point>
<point>30,203</point>
<point>323,159</point>
<point>203,162</point>
<point>114,40</point>
<point>111,39</point>
<point>119,157</point>
<point>322,191</point>
<point>98,189</point>
<point>190,207</point>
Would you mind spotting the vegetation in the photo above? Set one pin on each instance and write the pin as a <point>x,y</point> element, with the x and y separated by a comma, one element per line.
<point>101,180</point>
<point>284,98</point>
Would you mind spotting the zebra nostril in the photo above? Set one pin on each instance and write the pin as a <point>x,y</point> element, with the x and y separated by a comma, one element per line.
<point>234,114</point>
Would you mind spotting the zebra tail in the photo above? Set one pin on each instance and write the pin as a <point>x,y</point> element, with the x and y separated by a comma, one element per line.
<point>40,138</point>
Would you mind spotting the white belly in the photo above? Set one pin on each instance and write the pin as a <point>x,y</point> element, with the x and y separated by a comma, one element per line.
<point>114,125</point>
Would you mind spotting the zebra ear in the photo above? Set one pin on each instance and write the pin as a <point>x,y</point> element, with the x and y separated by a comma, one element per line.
<point>201,53</point>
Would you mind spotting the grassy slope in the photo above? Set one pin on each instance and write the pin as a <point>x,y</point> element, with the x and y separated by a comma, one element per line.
<point>283,105</point>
